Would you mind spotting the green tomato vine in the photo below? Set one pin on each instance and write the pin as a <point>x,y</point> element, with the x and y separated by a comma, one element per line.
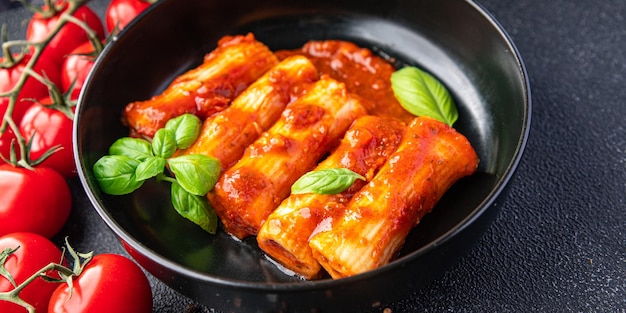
<point>65,274</point>
<point>12,57</point>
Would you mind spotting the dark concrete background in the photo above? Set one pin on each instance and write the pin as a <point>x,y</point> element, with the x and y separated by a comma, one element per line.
<point>559,243</point>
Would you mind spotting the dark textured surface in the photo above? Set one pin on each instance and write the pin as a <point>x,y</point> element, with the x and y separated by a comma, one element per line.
<point>559,243</point>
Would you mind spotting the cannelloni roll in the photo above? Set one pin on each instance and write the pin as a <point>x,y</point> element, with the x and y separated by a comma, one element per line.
<point>285,234</point>
<point>308,128</point>
<point>363,72</point>
<point>227,134</point>
<point>376,221</point>
<point>225,72</point>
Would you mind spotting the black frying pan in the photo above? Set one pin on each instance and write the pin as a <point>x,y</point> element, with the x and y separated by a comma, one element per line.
<point>453,39</point>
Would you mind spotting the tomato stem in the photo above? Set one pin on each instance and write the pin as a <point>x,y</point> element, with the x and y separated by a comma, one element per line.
<point>59,101</point>
<point>66,274</point>
<point>3,258</point>
<point>33,8</point>
<point>91,34</point>
<point>8,60</point>
<point>77,256</point>
<point>13,294</point>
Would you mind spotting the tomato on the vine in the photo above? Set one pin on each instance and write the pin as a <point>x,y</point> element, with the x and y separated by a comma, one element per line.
<point>33,200</point>
<point>32,88</point>
<point>121,12</point>
<point>69,37</point>
<point>34,253</point>
<point>45,127</point>
<point>76,67</point>
<point>108,283</point>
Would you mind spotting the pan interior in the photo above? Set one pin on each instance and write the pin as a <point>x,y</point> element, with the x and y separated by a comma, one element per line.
<point>466,54</point>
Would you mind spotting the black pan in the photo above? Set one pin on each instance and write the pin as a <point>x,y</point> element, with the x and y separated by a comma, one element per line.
<point>456,40</point>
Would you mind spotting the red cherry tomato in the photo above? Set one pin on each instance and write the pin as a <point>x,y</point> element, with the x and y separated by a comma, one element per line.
<point>32,89</point>
<point>46,128</point>
<point>121,12</point>
<point>109,283</point>
<point>37,201</point>
<point>76,67</point>
<point>68,38</point>
<point>34,253</point>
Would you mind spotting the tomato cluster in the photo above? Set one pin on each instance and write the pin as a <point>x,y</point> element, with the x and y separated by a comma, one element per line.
<point>45,80</point>
<point>65,62</point>
<point>104,283</point>
<point>40,85</point>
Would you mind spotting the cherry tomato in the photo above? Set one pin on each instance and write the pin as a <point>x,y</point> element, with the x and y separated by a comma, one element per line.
<point>32,89</point>
<point>109,283</point>
<point>68,38</point>
<point>34,253</point>
<point>76,67</point>
<point>121,12</point>
<point>45,128</point>
<point>37,200</point>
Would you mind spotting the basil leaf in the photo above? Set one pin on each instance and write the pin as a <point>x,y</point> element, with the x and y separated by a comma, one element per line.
<point>186,129</point>
<point>164,143</point>
<point>116,174</point>
<point>422,94</point>
<point>134,148</point>
<point>196,173</point>
<point>194,208</point>
<point>326,181</point>
<point>149,168</point>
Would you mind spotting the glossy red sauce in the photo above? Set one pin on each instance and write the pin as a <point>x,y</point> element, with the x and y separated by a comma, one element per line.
<point>363,72</point>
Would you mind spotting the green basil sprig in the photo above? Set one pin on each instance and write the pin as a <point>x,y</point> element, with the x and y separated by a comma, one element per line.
<point>132,161</point>
<point>325,181</point>
<point>422,94</point>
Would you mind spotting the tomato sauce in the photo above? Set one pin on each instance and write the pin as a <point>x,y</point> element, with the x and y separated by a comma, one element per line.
<point>364,73</point>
